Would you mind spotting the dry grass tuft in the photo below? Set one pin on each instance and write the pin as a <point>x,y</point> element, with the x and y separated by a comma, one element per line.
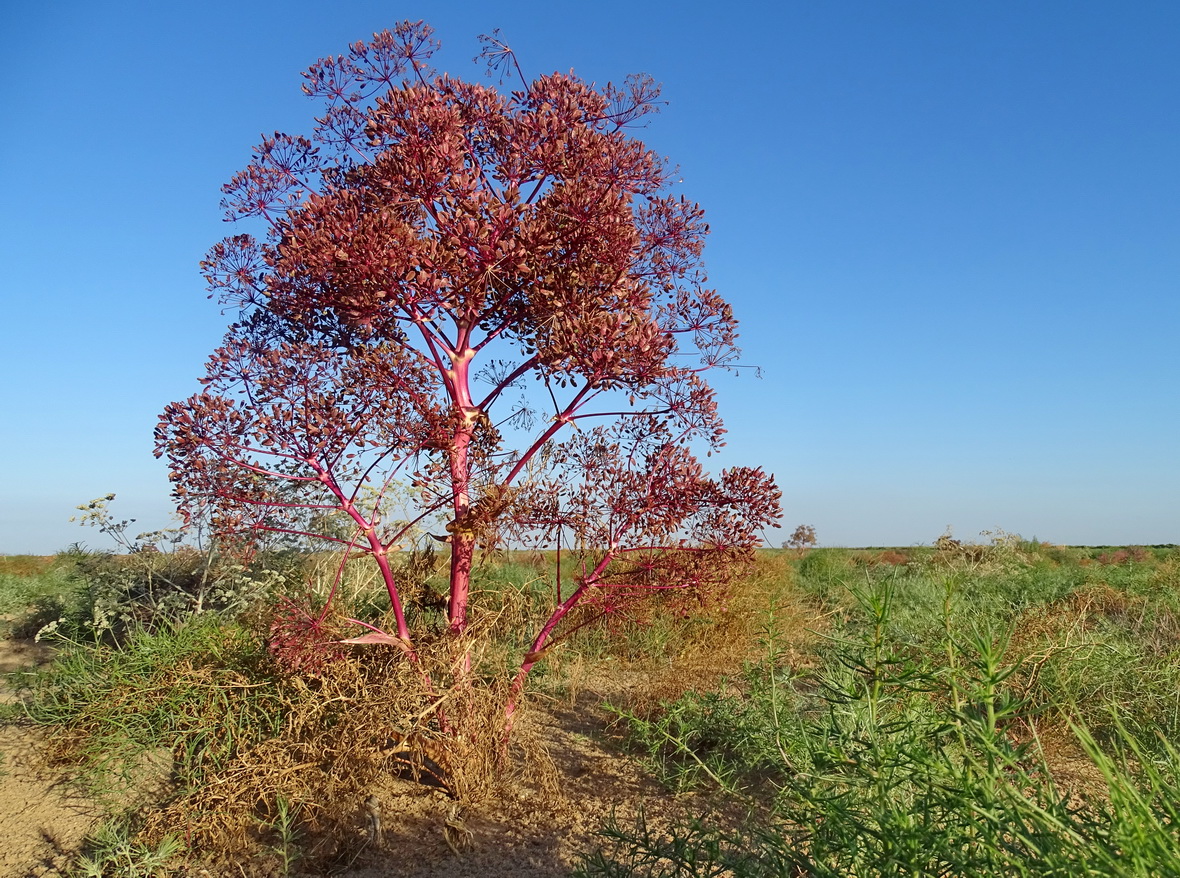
<point>1063,623</point>
<point>726,636</point>
<point>348,730</point>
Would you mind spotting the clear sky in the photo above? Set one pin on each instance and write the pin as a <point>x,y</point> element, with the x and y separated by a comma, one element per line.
<point>951,232</point>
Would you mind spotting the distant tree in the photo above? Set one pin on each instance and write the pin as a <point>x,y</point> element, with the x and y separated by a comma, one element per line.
<point>452,280</point>
<point>803,538</point>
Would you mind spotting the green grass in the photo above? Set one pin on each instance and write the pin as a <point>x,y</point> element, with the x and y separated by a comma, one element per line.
<point>191,688</point>
<point>930,737</point>
<point>921,728</point>
<point>112,852</point>
<point>33,592</point>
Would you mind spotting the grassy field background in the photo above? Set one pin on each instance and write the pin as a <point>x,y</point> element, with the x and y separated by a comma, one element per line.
<point>1004,707</point>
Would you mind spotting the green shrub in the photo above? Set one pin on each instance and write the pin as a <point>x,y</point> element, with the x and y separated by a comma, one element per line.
<point>826,567</point>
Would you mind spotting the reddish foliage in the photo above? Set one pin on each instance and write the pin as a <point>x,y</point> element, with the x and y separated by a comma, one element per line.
<point>1132,555</point>
<point>302,641</point>
<point>803,537</point>
<point>452,279</point>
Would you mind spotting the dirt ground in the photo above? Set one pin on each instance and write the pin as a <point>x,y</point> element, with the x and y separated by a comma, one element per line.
<point>539,833</point>
<point>42,816</point>
<point>508,838</point>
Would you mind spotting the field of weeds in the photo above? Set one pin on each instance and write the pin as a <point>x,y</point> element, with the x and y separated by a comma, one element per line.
<point>1001,708</point>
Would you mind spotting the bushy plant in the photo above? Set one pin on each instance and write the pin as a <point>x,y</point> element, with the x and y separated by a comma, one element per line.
<point>827,567</point>
<point>155,579</point>
<point>112,852</point>
<point>453,280</point>
<point>801,539</point>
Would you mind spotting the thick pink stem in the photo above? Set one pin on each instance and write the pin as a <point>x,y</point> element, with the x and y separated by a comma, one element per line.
<point>462,539</point>
<point>379,552</point>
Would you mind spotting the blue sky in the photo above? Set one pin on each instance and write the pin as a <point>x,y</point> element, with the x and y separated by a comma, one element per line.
<point>951,232</point>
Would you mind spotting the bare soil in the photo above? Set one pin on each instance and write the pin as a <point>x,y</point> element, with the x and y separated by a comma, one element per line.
<point>534,834</point>
<point>43,817</point>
